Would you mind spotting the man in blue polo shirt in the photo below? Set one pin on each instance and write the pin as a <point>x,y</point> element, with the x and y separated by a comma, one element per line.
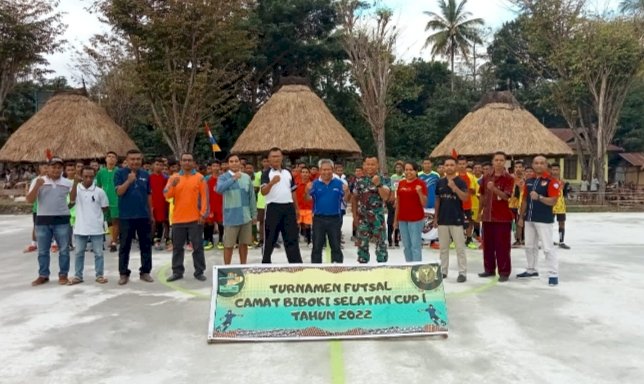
<point>327,193</point>
<point>133,188</point>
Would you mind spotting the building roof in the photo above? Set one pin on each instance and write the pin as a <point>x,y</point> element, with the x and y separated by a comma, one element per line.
<point>567,135</point>
<point>636,159</point>
<point>499,123</point>
<point>297,121</point>
<point>71,127</point>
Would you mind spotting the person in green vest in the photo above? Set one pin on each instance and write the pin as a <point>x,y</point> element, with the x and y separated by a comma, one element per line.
<point>105,181</point>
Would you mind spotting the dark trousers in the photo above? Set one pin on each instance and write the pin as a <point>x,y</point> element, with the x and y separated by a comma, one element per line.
<point>129,228</point>
<point>280,218</point>
<point>160,230</point>
<point>496,248</point>
<point>180,234</point>
<point>393,236</point>
<point>327,227</point>
<point>209,232</point>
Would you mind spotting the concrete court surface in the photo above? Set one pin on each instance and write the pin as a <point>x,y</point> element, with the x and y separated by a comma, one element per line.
<point>587,330</point>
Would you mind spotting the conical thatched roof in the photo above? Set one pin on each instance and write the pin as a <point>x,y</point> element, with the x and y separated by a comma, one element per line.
<point>72,127</point>
<point>296,120</point>
<point>499,123</point>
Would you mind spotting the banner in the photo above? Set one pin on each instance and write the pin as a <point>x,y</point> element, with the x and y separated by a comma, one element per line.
<point>309,302</point>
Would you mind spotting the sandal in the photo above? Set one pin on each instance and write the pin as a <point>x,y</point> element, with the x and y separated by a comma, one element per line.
<point>75,280</point>
<point>101,280</point>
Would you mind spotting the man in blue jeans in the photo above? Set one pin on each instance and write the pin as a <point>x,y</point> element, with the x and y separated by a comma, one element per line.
<point>52,220</point>
<point>135,215</point>
<point>91,203</point>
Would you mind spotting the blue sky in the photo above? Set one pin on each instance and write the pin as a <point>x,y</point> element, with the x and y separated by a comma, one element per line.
<point>409,19</point>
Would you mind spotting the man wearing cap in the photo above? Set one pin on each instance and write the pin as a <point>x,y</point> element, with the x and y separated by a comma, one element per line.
<point>52,219</point>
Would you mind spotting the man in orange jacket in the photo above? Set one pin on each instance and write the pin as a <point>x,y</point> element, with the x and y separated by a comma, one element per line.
<point>188,189</point>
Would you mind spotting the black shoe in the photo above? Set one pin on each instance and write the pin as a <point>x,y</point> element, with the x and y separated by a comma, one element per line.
<point>503,279</point>
<point>200,277</point>
<point>444,276</point>
<point>461,279</point>
<point>173,277</point>
<point>487,274</point>
<point>563,246</point>
<point>527,274</point>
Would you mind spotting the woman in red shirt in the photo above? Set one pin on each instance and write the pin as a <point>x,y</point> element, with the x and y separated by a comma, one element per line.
<point>410,215</point>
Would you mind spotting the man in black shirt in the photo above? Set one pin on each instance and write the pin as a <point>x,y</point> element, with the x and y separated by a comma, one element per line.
<point>451,191</point>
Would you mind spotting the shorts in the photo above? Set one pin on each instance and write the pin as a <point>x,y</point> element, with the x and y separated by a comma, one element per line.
<point>468,218</point>
<point>238,234</point>
<point>306,217</point>
<point>561,217</point>
<point>475,214</point>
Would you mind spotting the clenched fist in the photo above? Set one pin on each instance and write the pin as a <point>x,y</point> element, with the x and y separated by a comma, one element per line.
<point>375,180</point>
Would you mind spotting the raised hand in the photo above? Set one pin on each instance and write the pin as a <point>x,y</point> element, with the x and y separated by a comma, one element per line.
<point>175,181</point>
<point>451,184</point>
<point>375,180</point>
<point>276,179</point>
<point>131,178</point>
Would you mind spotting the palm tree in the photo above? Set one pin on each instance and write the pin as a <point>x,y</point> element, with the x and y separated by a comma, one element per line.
<point>632,7</point>
<point>455,32</point>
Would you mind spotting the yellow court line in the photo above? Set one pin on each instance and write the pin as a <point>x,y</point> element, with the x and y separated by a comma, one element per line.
<point>161,277</point>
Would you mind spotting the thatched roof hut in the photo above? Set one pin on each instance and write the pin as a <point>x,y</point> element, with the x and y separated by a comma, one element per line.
<point>499,123</point>
<point>72,127</point>
<point>296,120</point>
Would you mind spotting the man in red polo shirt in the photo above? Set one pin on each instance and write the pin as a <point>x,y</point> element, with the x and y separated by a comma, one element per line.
<point>496,190</point>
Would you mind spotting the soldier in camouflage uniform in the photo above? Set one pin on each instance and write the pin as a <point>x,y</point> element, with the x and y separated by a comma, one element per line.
<point>368,204</point>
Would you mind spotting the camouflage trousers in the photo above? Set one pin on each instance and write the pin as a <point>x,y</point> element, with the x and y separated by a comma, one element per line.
<point>372,228</point>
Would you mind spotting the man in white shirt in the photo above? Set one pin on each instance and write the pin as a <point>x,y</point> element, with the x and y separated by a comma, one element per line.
<point>279,189</point>
<point>91,203</point>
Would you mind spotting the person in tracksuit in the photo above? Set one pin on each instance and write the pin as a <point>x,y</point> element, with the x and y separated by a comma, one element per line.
<point>541,194</point>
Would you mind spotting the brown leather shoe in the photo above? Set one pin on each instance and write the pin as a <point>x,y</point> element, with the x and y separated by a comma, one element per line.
<point>40,281</point>
<point>123,280</point>
<point>147,278</point>
<point>63,280</point>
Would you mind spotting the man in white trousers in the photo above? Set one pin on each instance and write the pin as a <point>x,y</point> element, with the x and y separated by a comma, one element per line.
<point>541,194</point>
